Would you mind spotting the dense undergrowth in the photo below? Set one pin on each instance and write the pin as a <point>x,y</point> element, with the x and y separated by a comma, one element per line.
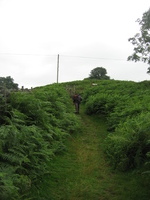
<point>126,106</point>
<point>34,126</point>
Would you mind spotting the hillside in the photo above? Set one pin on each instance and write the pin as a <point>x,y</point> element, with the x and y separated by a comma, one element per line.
<point>82,171</point>
<point>50,153</point>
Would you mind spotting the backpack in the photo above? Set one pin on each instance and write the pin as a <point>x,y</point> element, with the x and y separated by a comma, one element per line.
<point>77,98</point>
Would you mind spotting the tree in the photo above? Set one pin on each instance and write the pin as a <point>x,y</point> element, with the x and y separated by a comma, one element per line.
<point>6,86</point>
<point>141,41</point>
<point>98,73</point>
<point>8,83</point>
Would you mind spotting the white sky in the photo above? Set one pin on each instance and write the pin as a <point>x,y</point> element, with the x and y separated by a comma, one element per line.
<point>86,33</point>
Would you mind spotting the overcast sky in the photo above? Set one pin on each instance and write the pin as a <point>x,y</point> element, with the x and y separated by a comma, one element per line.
<point>85,33</point>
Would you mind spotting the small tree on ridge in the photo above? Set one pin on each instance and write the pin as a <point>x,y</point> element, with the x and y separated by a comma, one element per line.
<point>99,73</point>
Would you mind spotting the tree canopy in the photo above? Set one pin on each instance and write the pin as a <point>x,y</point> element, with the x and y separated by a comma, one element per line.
<point>8,83</point>
<point>141,41</point>
<point>6,86</point>
<point>99,73</point>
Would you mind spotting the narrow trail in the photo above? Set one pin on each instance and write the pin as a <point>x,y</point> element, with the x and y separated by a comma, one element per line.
<point>82,173</point>
<point>94,172</point>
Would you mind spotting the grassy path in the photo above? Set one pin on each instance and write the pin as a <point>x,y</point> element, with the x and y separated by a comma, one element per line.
<point>82,173</point>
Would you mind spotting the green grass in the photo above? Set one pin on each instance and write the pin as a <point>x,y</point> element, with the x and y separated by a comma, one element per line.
<point>82,172</point>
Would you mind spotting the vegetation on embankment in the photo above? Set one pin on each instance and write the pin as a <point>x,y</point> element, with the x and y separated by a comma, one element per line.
<point>33,129</point>
<point>35,126</point>
<point>82,172</point>
<point>126,106</point>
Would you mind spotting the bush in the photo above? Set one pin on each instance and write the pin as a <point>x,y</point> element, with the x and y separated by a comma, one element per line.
<point>128,146</point>
<point>101,104</point>
<point>126,107</point>
<point>39,122</point>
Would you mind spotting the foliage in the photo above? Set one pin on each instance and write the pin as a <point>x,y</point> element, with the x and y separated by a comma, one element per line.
<point>126,107</point>
<point>128,146</point>
<point>99,73</point>
<point>38,124</point>
<point>141,41</point>
<point>82,172</point>
<point>39,121</point>
<point>5,108</point>
<point>7,85</point>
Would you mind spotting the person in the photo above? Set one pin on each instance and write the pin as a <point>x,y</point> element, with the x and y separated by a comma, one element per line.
<point>77,100</point>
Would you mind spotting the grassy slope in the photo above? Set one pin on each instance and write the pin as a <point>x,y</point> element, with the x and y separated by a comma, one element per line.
<point>82,173</point>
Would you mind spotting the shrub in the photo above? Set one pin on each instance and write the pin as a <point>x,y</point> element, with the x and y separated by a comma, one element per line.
<point>126,107</point>
<point>131,151</point>
<point>36,129</point>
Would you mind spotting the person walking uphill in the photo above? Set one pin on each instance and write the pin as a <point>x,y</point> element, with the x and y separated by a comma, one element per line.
<point>77,100</point>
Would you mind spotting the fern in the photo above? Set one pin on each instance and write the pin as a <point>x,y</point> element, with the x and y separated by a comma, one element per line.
<point>36,129</point>
<point>7,188</point>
